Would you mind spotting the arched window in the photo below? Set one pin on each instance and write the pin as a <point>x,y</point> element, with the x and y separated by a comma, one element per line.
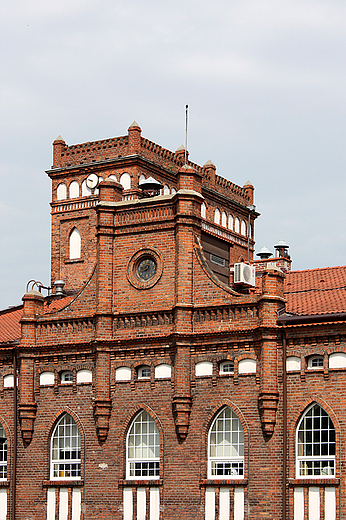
<point>74,190</point>
<point>75,244</point>
<point>166,190</point>
<point>315,448</point>
<point>203,210</point>
<point>230,222</point>
<point>226,446</point>
<point>243,228</point>
<point>315,361</point>
<point>66,450</point>
<point>125,181</point>
<point>143,448</point>
<point>3,454</point>
<point>224,219</point>
<point>227,367</point>
<point>236,224</point>
<point>144,372</point>
<point>67,377</point>
<point>61,191</point>
<point>217,216</point>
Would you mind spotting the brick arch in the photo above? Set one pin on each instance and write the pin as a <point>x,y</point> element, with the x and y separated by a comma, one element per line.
<point>246,355</point>
<point>313,398</point>
<point>58,415</point>
<point>219,358</point>
<point>127,425</point>
<point>336,349</point>
<point>294,353</point>
<point>293,424</point>
<point>319,351</point>
<point>205,431</point>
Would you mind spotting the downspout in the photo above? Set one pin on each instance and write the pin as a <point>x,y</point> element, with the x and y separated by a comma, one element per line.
<point>284,440</point>
<point>15,415</point>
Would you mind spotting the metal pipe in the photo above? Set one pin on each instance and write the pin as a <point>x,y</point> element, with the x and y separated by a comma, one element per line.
<point>284,426</point>
<point>15,415</point>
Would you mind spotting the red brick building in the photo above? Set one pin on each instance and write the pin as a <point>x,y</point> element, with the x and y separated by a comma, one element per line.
<point>162,379</point>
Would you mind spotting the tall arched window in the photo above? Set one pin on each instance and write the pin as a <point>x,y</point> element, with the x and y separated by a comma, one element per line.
<point>143,448</point>
<point>315,447</point>
<point>226,446</point>
<point>224,219</point>
<point>217,216</point>
<point>3,454</point>
<point>243,228</point>
<point>75,244</point>
<point>66,450</point>
<point>236,224</point>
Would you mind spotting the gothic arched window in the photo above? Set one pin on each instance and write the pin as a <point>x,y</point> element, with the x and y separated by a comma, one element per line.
<point>75,244</point>
<point>66,450</point>
<point>143,448</point>
<point>315,444</point>
<point>226,446</point>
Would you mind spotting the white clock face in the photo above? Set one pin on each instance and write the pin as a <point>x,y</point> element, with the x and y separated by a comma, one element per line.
<point>92,181</point>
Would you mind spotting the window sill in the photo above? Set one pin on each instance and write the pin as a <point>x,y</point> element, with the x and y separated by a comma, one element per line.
<point>74,261</point>
<point>140,483</point>
<point>63,483</point>
<point>223,482</point>
<point>314,481</point>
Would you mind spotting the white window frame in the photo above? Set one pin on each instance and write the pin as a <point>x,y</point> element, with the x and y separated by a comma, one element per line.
<point>3,455</point>
<point>57,461</point>
<point>223,366</point>
<point>319,459</point>
<point>63,376</point>
<point>142,370</point>
<point>314,358</point>
<point>232,460</point>
<point>144,440</point>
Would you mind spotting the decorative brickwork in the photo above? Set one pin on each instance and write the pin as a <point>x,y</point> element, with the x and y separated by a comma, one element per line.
<point>147,325</point>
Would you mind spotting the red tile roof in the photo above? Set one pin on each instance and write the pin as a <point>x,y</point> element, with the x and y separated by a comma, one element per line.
<point>9,324</point>
<point>10,329</point>
<point>316,291</point>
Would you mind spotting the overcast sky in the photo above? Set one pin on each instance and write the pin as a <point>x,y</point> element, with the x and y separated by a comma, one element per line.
<point>264,80</point>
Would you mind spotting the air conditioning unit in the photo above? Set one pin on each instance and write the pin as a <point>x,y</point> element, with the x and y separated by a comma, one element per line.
<point>244,274</point>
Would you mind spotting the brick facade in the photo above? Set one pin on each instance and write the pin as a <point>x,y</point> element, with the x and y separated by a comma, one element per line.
<point>142,298</point>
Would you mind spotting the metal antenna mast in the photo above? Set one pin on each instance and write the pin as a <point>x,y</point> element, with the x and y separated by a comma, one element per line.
<point>186,119</point>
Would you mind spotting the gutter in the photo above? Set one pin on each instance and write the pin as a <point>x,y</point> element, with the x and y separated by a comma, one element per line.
<point>291,319</point>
